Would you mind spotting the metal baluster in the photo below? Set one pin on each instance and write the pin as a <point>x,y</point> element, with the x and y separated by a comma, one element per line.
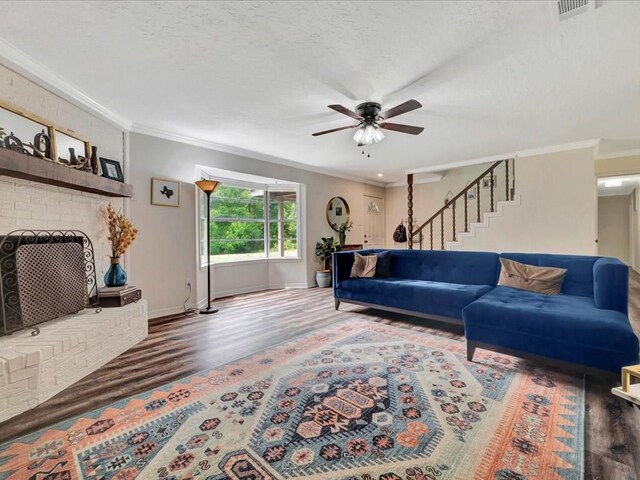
<point>421,239</point>
<point>454,220</point>
<point>442,230</point>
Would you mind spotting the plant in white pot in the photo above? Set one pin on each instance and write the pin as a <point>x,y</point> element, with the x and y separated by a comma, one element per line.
<point>324,250</point>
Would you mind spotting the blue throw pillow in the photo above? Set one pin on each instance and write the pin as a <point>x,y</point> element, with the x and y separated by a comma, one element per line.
<point>383,265</point>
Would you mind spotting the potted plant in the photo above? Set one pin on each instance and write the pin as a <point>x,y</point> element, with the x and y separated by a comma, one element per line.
<point>324,250</point>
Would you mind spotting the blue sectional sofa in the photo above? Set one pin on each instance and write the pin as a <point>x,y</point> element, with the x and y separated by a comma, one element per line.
<point>585,325</point>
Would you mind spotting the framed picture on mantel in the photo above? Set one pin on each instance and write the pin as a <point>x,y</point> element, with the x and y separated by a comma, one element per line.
<point>111,169</point>
<point>165,193</point>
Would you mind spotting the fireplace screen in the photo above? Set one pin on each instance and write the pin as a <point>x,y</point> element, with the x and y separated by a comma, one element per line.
<point>45,275</point>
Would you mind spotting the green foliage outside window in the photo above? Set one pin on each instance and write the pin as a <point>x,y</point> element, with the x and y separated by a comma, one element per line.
<point>238,220</point>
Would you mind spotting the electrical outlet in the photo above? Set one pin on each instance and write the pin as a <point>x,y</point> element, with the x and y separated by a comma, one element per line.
<point>187,284</point>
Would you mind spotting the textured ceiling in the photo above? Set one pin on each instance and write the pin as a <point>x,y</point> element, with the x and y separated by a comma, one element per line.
<point>494,77</point>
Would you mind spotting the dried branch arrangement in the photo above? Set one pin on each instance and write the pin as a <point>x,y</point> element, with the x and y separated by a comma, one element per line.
<point>122,233</point>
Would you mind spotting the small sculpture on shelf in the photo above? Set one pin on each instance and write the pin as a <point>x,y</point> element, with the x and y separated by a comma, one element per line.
<point>14,143</point>
<point>84,164</point>
<point>41,145</point>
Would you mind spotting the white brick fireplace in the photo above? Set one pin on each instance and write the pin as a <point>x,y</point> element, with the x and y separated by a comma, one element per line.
<point>35,368</point>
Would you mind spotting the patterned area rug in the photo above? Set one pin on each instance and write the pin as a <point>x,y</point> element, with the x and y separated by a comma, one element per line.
<point>357,400</point>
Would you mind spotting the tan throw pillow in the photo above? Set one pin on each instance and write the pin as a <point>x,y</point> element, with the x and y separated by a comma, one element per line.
<point>364,266</point>
<point>547,280</point>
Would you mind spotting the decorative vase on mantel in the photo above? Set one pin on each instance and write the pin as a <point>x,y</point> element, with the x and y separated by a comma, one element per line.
<point>115,276</point>
<point>94,160</point>
<point>73,160</point>
<point>342,235</point>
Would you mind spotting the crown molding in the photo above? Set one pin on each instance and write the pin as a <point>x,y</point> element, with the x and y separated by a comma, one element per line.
<point>30,68</point>
<point>433,179</point>
<point>209,145</point>
<point>592,143</point>
<point>464,163</point>
<point>620,154</point>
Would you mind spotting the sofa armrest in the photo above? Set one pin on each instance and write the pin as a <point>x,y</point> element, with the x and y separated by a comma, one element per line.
<point>611,284</point>
<point>341,267</point>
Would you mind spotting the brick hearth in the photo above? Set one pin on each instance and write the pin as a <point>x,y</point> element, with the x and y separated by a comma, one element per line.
<point>34,369</point>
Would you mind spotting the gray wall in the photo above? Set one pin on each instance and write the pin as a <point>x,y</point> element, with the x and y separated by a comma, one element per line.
<point>166,252</point>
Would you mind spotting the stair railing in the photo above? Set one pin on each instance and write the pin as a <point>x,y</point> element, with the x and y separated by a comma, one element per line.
<point>418,234</point>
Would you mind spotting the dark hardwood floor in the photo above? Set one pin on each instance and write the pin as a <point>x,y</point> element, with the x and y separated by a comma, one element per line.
<point>180,346</point>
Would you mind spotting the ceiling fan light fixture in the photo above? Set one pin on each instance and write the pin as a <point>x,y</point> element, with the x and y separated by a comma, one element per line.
<point>368,134</point>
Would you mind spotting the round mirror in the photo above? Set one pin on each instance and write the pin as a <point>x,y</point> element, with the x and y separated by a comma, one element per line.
<point>337,212</point>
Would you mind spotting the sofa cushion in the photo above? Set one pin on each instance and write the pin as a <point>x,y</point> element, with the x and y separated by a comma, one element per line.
<point>363,265</point>
<point>547,280</point>
<point>467,268</point>
<point>383,265</point>
<point>435,298</point>
<point>579,277</point>
<point>564,327</point>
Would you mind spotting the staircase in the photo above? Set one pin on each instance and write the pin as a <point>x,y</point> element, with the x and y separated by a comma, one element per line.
<point>467,213</point>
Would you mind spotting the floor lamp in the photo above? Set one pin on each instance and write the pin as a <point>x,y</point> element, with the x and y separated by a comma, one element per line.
<point>208,187</point>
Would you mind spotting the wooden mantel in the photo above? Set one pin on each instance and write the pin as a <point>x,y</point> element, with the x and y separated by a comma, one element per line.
<point>20,165</point>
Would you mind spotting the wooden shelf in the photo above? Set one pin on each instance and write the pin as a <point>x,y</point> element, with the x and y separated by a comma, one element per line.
<point>20,165</point>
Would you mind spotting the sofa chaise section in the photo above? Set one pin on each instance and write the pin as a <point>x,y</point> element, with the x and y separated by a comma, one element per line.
<point>586,324</point>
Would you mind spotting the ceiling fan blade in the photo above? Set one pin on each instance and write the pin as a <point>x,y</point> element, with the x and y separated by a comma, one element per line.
<point>345,111</point>
<point>405,107</point>
<point>334,130</point>
<point>396,127</point>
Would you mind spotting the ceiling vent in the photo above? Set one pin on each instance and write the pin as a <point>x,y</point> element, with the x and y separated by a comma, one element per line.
<point>563,9</point>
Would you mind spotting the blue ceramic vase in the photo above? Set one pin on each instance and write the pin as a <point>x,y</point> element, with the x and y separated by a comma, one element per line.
<point>115,276</point>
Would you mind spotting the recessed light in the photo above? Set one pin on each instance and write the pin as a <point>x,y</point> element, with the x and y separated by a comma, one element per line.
<point>381,175</point>
<point>613,183</point>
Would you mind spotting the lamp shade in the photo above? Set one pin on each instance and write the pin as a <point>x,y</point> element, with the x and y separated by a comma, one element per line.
<point>207,186</point>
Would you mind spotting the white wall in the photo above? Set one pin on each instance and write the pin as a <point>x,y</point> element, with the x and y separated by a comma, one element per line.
<point>165,255</point>
<point>428,198</point>
<point>557,212</point>
<point>614,229</point>
<point>26,204</point>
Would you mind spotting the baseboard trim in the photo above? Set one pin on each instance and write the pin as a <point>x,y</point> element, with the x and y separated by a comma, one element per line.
<point>165,312</point>
<point>239,291</point>
<point>285,286</point>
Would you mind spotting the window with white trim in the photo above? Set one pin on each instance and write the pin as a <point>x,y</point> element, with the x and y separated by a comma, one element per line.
<point>250,221</point>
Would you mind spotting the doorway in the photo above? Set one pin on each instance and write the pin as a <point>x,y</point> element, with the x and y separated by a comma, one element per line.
<point>619,218</point>
<point>373,230</point>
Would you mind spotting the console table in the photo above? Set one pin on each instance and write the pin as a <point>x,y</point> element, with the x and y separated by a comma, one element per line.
<point>354,246</point>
